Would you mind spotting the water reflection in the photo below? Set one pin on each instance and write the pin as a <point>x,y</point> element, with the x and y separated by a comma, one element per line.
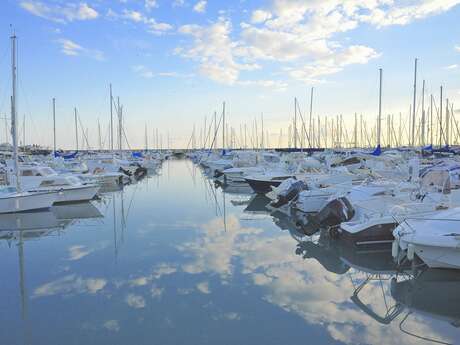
<point>173,259</point>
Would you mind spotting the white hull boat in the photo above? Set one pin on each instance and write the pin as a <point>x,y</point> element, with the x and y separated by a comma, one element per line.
<point>11,202</point>
<point>434,239</point>
<point>67,194</point>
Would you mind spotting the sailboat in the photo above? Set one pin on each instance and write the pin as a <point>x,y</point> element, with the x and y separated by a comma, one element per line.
<point>12,199</point>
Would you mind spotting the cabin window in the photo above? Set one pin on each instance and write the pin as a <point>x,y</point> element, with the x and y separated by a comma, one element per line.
<point>47,183</point>
<point>27,173</point>
<point>281,178</point>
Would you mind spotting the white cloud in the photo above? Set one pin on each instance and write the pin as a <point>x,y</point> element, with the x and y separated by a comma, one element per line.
<point>154,27</point>
<point>451,67</point>
<point>135,301</point>
<point>403,15</point>
<point>71,48</point>
<point>333,64</point>
<point>200,6</point>
<point>260,16</point>
<point>60,13</point>
<point>299,35</point>
<point>457,48</point>
<point>214,50</point>
<point>150,4</point>
<point>135,16</point>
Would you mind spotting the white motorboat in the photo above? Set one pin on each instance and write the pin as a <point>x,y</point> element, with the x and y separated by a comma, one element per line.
<point>44,179</point>
<point>12,201</point>
<point>434,239</point>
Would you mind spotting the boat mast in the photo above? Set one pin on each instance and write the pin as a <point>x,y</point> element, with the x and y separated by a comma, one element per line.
<point>413,105</point>
<point>215,131</point>
<point>119,126</point>
<point>440,116</point>
<point>76,128</point>
<point>380,108</point>
<point>423,114</point>
<point>146,139</point>
<point>99,134</point>
<point>295,122</point>
<point>14,131</point>
<point>311,114</point>
<point>24,130</point>
<point>111,119</point>
<point>262,131</point>
<point>223,126</point>
<point>54,126</point>
<point>431,119</point>
<point>447,123</point>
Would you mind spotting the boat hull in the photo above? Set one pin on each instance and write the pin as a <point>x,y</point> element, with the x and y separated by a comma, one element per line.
<point>262,186</point>
<point>27,202</point>
<point>74,194</point>
<point>368,233</point>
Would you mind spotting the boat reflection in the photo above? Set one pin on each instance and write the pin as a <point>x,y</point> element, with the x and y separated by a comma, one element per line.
<point>29,225</point>
<point>258,205</point>
<point>433,292</point>
<point>84,210</point>
<point>43,223</point>
<point>235,188</point>
<point>404,290</point>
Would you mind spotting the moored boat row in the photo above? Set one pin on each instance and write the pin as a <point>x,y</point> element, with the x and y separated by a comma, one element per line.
<point>399,197</point>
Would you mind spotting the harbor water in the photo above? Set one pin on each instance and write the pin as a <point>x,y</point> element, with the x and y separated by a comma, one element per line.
<point>177,259</point>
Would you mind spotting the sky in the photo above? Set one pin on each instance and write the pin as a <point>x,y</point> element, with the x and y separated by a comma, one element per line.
<point>173,63</point>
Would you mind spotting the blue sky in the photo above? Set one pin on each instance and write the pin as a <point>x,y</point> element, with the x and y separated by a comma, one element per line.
<point>173,62</point>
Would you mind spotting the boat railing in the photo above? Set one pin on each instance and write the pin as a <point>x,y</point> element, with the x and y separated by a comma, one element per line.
<point>3,177</point>
<point>391,313</point>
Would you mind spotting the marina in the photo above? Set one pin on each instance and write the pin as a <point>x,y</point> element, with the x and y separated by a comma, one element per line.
<point>208,172</point>
<point>112,272</point>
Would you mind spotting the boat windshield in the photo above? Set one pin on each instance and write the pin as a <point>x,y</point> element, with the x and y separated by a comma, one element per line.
<point>47,171</point>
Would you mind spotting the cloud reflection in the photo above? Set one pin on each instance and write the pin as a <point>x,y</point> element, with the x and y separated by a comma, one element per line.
<point>70,285</point>
<point>135,301</point>
<point>78,252</point>
<point>288,281</point>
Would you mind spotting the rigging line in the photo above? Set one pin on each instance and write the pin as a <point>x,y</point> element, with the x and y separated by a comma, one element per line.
<point>28,111</point>
<point>383,294</point>
<point>209,133</point>
<point>126,138</point>
<point>304,126</point>
<point>419,336</point>
<point>217,131</point>
<point>83,130</point>
<point>215,198</point>
<point>131,201</point>
<point>4,93</point>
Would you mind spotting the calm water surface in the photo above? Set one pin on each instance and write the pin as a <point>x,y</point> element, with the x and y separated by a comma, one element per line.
<point>174,260</point>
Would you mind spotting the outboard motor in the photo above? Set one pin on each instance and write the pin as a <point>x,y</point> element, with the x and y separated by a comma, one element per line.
<point>306,223</point>
<point>140,171</point>
<point>289,194</point>
<point>335,212</point>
